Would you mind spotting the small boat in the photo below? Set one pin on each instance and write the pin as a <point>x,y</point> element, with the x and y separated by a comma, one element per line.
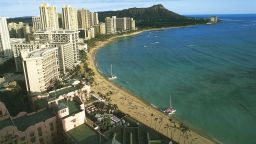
<point>112,77</point>
<point>170,110</point>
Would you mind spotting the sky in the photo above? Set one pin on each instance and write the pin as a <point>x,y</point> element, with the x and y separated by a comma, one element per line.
<point>17,8</point>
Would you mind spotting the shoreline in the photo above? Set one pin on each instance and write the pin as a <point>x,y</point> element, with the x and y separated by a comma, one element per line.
<point>143,112</point>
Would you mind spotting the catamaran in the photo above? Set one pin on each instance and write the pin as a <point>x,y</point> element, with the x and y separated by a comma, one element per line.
<point>170,110</point>
<point>112,77</point>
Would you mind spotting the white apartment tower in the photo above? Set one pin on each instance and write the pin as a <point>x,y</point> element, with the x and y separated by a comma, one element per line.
<point>36,23</point>
<point>121,24</point>
<point>95,19</point>
<point>69,17</point>
<point>130,23</point>
<point>83,19</point>
<point>41,69</point>
<point>48,17</point>
<point>5,45</point>
<point>133,25</point>
<point>110,25</point>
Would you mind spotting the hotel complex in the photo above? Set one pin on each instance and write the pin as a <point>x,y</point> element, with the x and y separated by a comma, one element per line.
<point>48,55</point>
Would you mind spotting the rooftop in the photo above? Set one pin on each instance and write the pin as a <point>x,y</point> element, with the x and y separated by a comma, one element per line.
<point>61,31</point>
<point>5,123</point>
<point>73,106</point>
<point>83,134</point>
<point>39,53</point>
<point>22,123</point>
<point>55,94</point>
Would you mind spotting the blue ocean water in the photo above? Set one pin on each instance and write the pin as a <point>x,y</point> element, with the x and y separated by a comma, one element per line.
<point>210,71</point>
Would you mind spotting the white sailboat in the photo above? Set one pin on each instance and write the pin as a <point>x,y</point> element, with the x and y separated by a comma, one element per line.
<point>170,110</point>
<point>112,77</point>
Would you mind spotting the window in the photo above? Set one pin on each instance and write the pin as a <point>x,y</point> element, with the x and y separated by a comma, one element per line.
<point>63,111</point>
<point>51,126</point>
<point>40,133</point>
<point>32,134</point>
<point>33,140</point>
<point>41,140</point>
<point>22,138</point>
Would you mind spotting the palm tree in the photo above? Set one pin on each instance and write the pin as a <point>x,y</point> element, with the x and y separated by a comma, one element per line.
<point>183,129</point>
<point>156,119</point>
<point>151,118</point>
<point>167,127</point>
<point>170,120</point>
<point>115,106</point>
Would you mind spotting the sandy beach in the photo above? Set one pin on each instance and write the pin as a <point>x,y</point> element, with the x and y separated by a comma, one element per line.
<point>137,108</point>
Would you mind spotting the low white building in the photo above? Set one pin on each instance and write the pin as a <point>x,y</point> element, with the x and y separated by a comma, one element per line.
<point>36,127</point>
<point>47,124</point>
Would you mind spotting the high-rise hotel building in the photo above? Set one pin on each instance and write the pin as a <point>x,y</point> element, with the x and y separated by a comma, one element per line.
<point>110,25</point>
<point>69,18</point>
<point>48,17</point>
<point>83,17</point>
<point>5,45</point>
<point>36,21</point>
<point>41,69</point>
<point>125,23</point>
<point>86,23</point>
<point>66,41</point>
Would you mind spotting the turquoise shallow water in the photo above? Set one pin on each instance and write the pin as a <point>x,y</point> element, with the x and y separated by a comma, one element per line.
<point>210,71</point>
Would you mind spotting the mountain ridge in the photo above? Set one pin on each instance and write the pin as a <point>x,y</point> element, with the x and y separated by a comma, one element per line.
<point>154,16</point>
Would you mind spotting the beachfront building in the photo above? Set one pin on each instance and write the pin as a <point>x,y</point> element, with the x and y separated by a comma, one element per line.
<point>5,45</point>
<point>125,24</point>
<point>95,18</point>
<point>213,19</point>
<point>100,29</point>
<point>36,21</point>
<point>121,24</point>
<point>114,24</point>
<point>41,69</point>
<point>83,18</point>
<point>130,24</point>
<point>69,17</point>
<point>70,110</point>
<point>89,33</point>
<point>67,41</point>
<point>110,25</point>
<point>37,127</point>
<point>48,17</point>
<point>86,19</point>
